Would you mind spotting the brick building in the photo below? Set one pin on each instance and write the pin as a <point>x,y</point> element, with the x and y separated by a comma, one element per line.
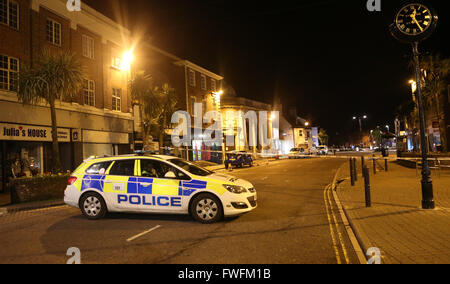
<point>97,121</point>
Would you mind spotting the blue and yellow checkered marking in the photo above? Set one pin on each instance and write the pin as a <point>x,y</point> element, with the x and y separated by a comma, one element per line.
<point>147,186</point>
<point>93,181</point>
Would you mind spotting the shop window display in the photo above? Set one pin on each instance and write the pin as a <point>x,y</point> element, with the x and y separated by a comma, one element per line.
<point>24,159</point>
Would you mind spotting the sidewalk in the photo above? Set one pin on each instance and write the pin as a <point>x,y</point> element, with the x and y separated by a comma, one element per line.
<point>395,223</point>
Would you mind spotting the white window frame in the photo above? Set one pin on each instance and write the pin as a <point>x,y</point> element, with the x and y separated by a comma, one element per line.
<point>192,80</point>
<point>9,71</point>
<point>89,93</point>
<point>88,46</point>
<point>8,20</point>
<point>53,36</point>
<point>203,82</point>
<point>117,98</point>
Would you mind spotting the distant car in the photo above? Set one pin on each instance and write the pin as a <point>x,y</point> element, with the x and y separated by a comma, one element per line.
<point>323,150</point>
<point>238,160</point>
<point>296,153</point>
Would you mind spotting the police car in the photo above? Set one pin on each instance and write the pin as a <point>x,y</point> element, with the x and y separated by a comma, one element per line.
<point>156,184</point>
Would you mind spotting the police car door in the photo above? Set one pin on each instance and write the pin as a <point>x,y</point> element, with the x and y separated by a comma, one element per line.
<point>117,182</point>
<point>164,194</point>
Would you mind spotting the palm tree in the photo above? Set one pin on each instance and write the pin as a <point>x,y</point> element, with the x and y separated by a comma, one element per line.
<point>54,77</point>
<point>141,92</point>
<point>323,137</point>
<point>168,100</point>
<point>436,71</point>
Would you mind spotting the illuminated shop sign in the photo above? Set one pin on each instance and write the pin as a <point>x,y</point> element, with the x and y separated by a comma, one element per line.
<point>17,132</point>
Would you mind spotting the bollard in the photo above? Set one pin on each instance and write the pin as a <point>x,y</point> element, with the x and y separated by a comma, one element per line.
<point>367,187</point>
<point>385,165</point>
<point>363,164</point>
<point>355,173</point>
<point>352,173</point>
<point>374,166</point>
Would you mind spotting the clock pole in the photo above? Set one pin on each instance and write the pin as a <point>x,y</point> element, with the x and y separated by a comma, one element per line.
<point>427,183</point>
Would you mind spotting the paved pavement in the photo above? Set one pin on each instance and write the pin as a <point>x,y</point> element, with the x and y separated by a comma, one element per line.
<point>395,223</point>
<point>295,223</point>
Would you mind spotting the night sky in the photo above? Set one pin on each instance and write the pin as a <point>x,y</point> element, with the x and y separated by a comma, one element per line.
<point>332,59</point>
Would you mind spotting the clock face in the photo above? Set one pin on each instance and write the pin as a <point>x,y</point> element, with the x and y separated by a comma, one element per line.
<point>414,19</point>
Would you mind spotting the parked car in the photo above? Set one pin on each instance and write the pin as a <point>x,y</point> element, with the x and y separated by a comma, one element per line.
<point>238,160</point>
<point>323,150</point>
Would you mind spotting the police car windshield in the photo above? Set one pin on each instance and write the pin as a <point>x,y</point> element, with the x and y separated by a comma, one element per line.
<point>191,168</point>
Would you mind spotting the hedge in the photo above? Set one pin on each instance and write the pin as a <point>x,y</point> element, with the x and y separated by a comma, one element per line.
<point>38,188</point>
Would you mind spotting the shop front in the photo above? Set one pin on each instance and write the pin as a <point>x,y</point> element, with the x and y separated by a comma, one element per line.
<point>26,150</point>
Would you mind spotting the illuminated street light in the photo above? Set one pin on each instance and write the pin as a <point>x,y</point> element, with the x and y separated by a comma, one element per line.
<point>127,59</point>
<point>306,124</point>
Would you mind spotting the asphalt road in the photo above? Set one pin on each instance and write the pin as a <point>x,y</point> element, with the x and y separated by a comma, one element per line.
<point>291,225</point>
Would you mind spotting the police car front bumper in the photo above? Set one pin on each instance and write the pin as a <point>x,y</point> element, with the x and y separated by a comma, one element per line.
<point>239,204</point>
<point>72,196</point>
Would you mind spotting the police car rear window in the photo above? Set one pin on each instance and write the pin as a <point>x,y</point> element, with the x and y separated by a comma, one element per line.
<point>98,168</point>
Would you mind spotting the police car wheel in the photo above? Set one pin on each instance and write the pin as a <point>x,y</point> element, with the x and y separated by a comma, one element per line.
<point>206,209</point>
<point>93,206</point>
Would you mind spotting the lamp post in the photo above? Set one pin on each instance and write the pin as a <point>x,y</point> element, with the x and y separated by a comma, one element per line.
<point>360,118</point>
<point>427,183</point>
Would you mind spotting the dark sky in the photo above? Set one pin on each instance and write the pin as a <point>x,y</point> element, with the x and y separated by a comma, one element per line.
<point>332,59</point>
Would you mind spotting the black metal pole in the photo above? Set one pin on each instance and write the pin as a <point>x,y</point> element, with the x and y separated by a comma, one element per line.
<point>363,164</point>
<point>374,166</point>
<point>427,183</point>
<point>352,177</point>
<point>367,186</point>
<point>355,173</point>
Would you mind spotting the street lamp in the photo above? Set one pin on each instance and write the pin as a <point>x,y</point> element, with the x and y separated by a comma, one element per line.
<point>360,118</point>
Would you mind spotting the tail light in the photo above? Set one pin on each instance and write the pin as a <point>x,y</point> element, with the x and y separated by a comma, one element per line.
<point>71,180</point>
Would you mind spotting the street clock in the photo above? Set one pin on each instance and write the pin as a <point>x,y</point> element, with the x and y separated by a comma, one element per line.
<point>414,22</point>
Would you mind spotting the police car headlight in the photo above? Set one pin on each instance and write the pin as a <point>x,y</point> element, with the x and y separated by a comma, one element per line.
<point>234,188</point>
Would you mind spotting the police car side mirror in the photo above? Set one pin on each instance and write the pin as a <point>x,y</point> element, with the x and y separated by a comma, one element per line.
<point>170,174</point>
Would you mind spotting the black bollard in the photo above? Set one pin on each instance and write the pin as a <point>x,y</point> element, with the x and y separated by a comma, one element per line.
<point>367,186</point>
<point>374,166</point>
<point>386,165</point>
<point>352,173</point>
<point>355,172</point>
<point>363,164</point>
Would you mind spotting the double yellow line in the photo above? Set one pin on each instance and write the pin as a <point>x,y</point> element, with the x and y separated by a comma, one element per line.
<point>336,235</point>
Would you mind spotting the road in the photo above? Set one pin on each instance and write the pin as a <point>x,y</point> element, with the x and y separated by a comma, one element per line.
<point>292,224</point>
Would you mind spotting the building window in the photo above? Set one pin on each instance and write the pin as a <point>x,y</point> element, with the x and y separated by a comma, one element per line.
<point>116,99</point>
<point>9,69</point>
<point>53,32</point>
<point>9,13</point>
<point>213,85</point>
<point>300,133</point>
<point>192,105</point>
<point>203,82</point>
<point>88,46</point>
<point>192,78</point>
<point>116,62</point>
<point>89,92</point>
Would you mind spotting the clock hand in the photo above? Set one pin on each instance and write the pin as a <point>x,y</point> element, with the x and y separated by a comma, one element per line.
<point>413,16</point>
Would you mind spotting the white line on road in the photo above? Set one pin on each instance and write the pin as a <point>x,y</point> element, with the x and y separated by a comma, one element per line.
<point>143,233</point>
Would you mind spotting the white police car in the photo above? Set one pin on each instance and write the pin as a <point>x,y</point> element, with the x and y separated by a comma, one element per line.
<point>156,184</point>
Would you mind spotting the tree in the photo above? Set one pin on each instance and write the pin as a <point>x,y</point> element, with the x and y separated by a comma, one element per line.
<point>140,87</point>
<point>168,102</point>
<point>436,71</point>
<point>156,106</point>
<point>323,137</point>
<point>377,135</point>
<point>56,76</point>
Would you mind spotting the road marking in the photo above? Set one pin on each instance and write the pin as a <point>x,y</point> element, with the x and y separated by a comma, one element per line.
<point>335,246</point>
<point>143,233</point>
<point>341,239</point>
